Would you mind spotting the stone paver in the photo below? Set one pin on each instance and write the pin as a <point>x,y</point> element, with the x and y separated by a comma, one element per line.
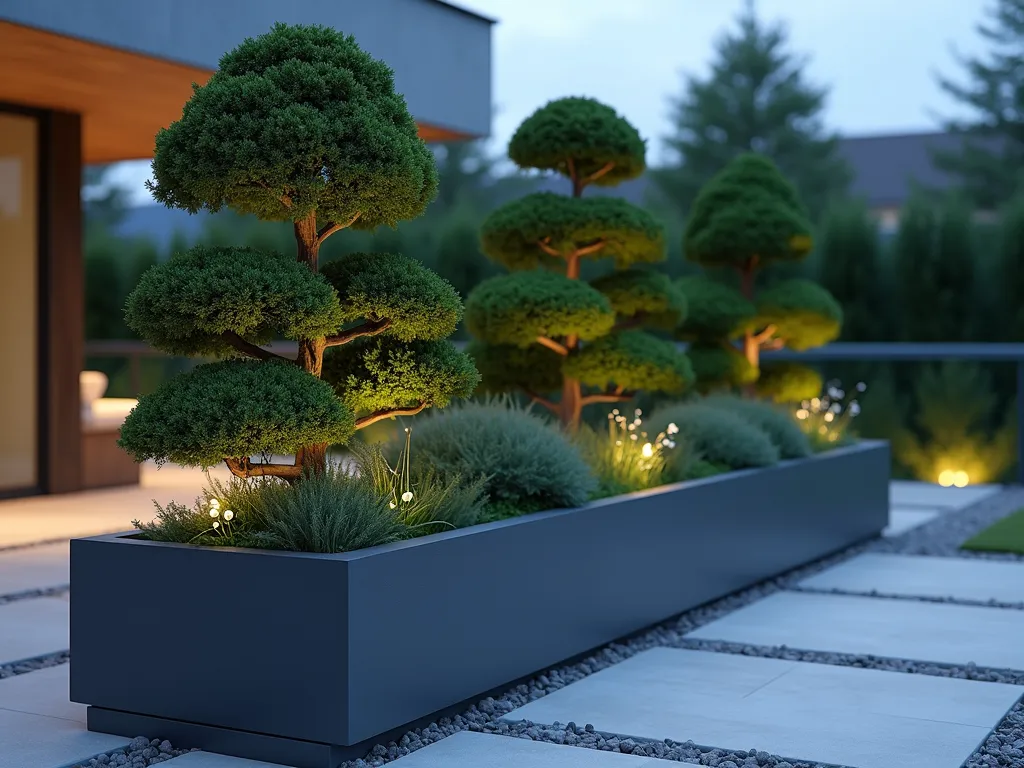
<point>903,493</point>
<point>42,692</point>
<point>903,519</point>
<point>478,750</point>
<point>32,568</point>
<point>801,711</point>
<point>210,760</point>
<point>903,629</point>
<point>30,628</point>
<point>918,576</point>
<point>36,741</point>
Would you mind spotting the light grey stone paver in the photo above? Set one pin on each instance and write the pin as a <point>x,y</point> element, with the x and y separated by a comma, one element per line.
<point>918,576</point>
<point>903,493</point>
<point>903,629</point>
<point>30,628</point>
<point>31,568</point>
<point>801,711</point>
<point>479,750</point>
<point>902,519</point>
<point>211,760</point>
<point>36,741</point>
<point>42,692</point>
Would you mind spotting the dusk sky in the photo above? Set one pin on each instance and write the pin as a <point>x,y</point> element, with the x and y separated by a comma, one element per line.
<point>879,58</point>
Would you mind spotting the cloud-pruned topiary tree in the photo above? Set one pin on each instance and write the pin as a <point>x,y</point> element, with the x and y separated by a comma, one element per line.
<point>745,219</point>
<point>542,329</point>
<point>296,125</point>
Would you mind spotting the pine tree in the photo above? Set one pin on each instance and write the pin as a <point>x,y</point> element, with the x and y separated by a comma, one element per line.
<point>542,328</point>
<point>302,126</point>
<point>755,100</point>
<point>990,162</point>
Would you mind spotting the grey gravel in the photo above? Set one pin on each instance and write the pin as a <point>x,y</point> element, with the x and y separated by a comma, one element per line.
<point>140,753</point>
<point>1004,748</point>
<point>57,591</point>
<point>31,665</point>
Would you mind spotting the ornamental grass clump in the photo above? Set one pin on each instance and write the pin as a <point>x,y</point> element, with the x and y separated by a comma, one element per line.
<point>827,419</point>
<point>527,465</point>
<point>744,220</point>
<point>297,125</point>
<point>624,458</point>
<point>542,329</point>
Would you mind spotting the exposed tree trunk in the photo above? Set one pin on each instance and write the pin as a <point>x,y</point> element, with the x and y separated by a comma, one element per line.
<point>571,404</point>
<point>312,458</point>
<point>751,343</point>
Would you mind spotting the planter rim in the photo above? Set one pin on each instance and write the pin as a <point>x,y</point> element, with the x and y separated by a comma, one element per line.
<point>130,537</point>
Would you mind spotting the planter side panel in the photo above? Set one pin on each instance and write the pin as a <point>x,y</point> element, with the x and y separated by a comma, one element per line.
<point>248,640</point>
<point>437,624</point>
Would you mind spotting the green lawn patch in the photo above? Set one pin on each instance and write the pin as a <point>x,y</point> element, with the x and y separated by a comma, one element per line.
<point>1005,536</point>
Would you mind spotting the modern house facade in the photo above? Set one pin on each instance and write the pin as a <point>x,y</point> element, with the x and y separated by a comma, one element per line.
<point>92,81</point>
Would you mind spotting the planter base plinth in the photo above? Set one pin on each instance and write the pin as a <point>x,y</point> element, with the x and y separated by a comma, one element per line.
<point>224,741</point>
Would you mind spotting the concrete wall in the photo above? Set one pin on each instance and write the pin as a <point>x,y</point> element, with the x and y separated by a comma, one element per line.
<point>441,54</point>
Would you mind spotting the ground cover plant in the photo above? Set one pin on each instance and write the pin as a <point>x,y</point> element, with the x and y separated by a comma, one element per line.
<point>298,125</point>
<point>744,220</point>
<point>542,329</point>
<point>724,440</point>
<point>780,424</point>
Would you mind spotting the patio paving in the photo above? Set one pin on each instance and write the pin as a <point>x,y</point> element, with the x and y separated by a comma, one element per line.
<point>43,567</point>
<point>477,750</point>
<point>800,711</point>
<point>211,760</point>
<point>903,519</point>
<point>30,628</point>
<point>903,629</point>
<point>42,692</point>
<point>37,741</point>
<point>906,493</point>
<point>918,576</point>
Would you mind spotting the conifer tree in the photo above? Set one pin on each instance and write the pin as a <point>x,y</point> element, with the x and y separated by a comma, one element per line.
<point>301,126</point>
<point>542,329</point>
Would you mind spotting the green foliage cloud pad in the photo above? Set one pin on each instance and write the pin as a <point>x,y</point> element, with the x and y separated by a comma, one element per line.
<point>237,409</point>
<point>295,121</point>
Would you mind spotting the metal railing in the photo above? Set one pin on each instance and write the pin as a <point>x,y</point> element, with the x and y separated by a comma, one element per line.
<point>863,352</point>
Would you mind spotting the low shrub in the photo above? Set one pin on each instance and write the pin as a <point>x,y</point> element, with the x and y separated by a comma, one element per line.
<point>719,436</point>
<point>526,463</point>
<point>781,426</point>
<point>624,458</point>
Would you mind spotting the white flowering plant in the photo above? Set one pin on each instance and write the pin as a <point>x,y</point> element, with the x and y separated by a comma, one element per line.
<point>625,458</point>
<point>828,419</point>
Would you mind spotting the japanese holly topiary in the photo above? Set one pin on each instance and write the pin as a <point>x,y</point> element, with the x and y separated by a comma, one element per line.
<point>541,329</point>
<point>745,219</point>
<point>297,125</point>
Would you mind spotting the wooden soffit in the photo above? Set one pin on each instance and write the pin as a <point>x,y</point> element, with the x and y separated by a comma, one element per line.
<point>124,97</point>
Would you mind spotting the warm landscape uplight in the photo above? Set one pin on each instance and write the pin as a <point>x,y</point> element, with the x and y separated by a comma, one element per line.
<point>954,478</point>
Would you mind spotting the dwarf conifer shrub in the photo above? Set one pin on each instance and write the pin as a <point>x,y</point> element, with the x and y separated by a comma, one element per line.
<point>297,125</point>
<point>543,330</point>
<point>744,220</point>
<point>528,464</point>
<point>720,437</point>
<point>780,425</point>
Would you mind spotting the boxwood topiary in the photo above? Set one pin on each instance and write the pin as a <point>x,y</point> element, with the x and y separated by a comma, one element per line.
<point>719,436</point>
<point>779,425</point>
<point>529,465</point>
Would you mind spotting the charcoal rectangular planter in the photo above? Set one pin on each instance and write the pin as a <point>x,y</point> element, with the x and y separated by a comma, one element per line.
<point>307,659</point>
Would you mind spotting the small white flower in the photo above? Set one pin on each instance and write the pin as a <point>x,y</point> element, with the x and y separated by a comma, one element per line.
<point>670,443</point>
<point>854,409</point>
<point>215,503</point>
<point>216,524</point>
<point>407,497</point>
<point>229,515</point>
<point>214,512</point>
<point>633,436</point>
<point>647,451</point>
<point>672,429</point>
<point>861,386</point>
<point>637,412</point>
<point>392,504</point>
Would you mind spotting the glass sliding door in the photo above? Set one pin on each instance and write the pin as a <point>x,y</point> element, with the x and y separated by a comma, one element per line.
<point>19,303</point>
